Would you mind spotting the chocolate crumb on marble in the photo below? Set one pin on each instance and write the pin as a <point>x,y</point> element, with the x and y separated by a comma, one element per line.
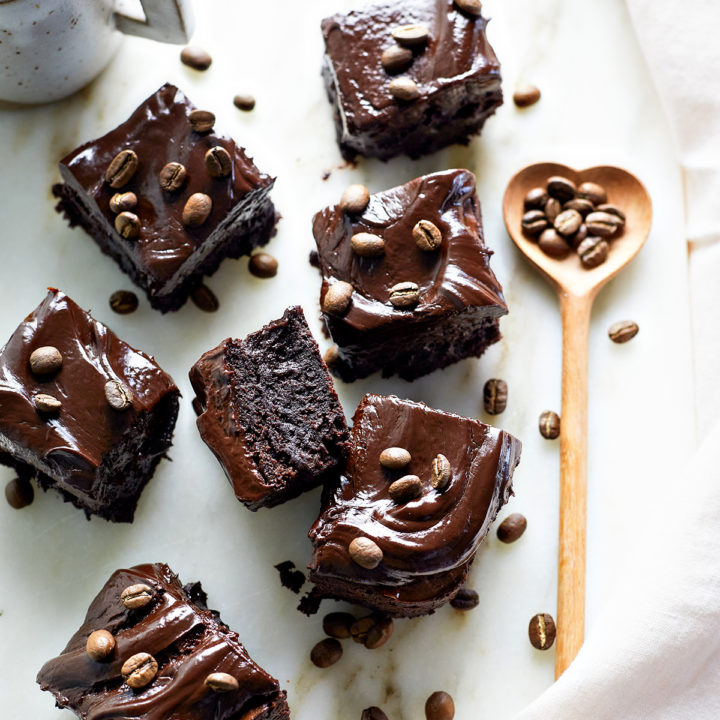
<point>290,577</point>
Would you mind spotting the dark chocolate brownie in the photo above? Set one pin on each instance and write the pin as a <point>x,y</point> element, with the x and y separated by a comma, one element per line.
<point>188,644</point>
<point>268,410</point>
<point>453,78</point>
<point>459,297</point>
<point>421,535</point>
<point>116,412</point>
<point>168,257</point>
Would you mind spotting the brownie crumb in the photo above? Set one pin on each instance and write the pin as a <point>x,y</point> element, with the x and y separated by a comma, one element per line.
<point>314,259</point>
<point>290,578</point>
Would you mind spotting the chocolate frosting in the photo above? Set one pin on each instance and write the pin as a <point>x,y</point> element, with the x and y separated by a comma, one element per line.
<point>70,446</point>
<point>428,542</point>
<point>187,640</point>
<point>159,132</point>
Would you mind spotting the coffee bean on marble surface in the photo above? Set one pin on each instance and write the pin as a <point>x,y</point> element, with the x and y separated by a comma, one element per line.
<point>405,489</point>
<point>361,627</point>
<point>495,395</point>
<point>568,222</point>
<point>123,201</point>
<point>366,244</point>
<point>45,360</point>
<point>19,493</point>
<point>100,645</point>
<point>338,298</point>
<point>195,57</point>
<point>512,528</point>
<point>404,295</point>
<point>172,177</point>
<point>326,653</point>
<point>471,7</point>
<point>526,95</point>
<point>136,596</point>
<point>549,424</point>
<point>553,207</point>
<point>612,210</point>
<point>553,244</point>
<point>395,458</point>
<point>117,395</point>
<point>139,670</point>
<point>439,706</point>
<point>534,222</point>
<point>561,188</point>
<point>427,235</point>
<point>541,631</point>
<point>411,35</point>
<point>622,331</point>
<point>47,403</point>
<point>602,224</point>
<point>354,199</point>
<point>396,59</point>
<point>593,192</point>
<point>244,101</point>
<point>441,472</point>
<point>201,121</point>
<point>338,624</point>
<point>465,599</point>
<point>365,553</point>
<point>593,251</point>
<point>218,162</point>
<point>263,265</point>
<point>197,210</point>
<point>379,633</point>
<point>582,205</point>
<point>404,88</point>
<point>205,299</point>
<point>123,302</point>
<point>128,225</point>
<point>536,199</point>
<point>122,168</point>
<point>221,682</point>
<point>373,713</point>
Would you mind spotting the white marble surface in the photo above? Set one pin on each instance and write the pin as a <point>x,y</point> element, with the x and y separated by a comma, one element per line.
<point>598,107</point>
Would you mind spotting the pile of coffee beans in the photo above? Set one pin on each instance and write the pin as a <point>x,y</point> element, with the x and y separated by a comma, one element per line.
<point>563,217</point>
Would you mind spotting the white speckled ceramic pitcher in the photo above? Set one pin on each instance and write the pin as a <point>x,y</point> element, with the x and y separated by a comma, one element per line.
<point>49,50</point>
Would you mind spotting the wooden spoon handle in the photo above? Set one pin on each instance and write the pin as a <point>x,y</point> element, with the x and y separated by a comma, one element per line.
<point>573,479</point>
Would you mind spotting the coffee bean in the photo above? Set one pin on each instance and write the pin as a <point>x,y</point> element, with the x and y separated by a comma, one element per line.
<point>593,251</point>
<point>439,706</point>
<point>471,7</point>
<point>568,222</point>
<point>465,599</point>
<point>373,713</point>
<point>117,395</point>
<point>172,177</point>
<point>100,645</point>
<point>195,57</point>
<point>593,192</point>
<point>263,265</point>
<point>197,210</point>
<point>338,298</point>
<point>541,631</point>
<point>361,627</point>
<point>379,633</point>
<point>612,210</point>
<point>19,493</point>
<point>326,653</point>
<point>407,488</point>
<point>121,169</point>
<point>218,162</point>
<point>45,360</point>
<point>46,403</point>
<point>136,596</point>
<point>526,95</point>
<point>553,244</point>
<point>536,199</point>
<point>244,101</point>
<point>602,224</point>
<point>622,331</point>
<point>582,205</point>
<point>553,208</point>
<point>337,624</point>
<point>139,670</point>
<point>394,458</point>
<point>205,299</point>
<point>427,236</point>
<point>495,393</point>
<point>561,188</point>
<point>354,199</point>
<point>367,245</point>
<point>410,35</point>
<point>221,682</point>
<point>549,424</point>
<point>123,302</point>
<point>404,295</point>
<point>534,222</point>
<point>441,472</point>
<point>128,225</point>
<point>201,121</point>
<point>331,356</point>
<point>579,236</point>
<point>511,528</point>
<point>404,89</point>
<point>396,59</point>
<point>365,553</point>
<point>123,201</point>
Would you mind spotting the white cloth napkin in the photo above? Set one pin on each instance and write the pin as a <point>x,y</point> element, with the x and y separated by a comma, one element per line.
<point>654,651</point>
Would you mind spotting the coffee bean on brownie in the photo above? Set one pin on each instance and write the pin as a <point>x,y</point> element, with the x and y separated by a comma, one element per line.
<point>128,225</point>
<point>593,251</point>
<point>172,177</point>
<point>396,59</point>
<point>201,121</point>
<point>136,596</point>
<point>602,224</point>
<point>139,670</point>
<point>117,395</point>
<point>441,472</point>
<point>394,458</point>
<point>404,88</point>
<point>218,162</point>
<point>536,199</point>
<point>541,631</point>
<point>549,424</point>
<point>593,192</point>
<point>561,188</point>
<point>411,35</point>
<point>622,331</point>
<point>471,7</point>
<point>465,599</point>
<point>373,713</point>
<point>568,222</point>
<point>439,706</point>
<point>46,403</point>
<point>197,210</point>
<point>404,295</point>
<point>205,299</point>
<point>512,528</point>
<point>534,222</point>
<point>121,169</point>
<point>526,95</point>
<point>427,235</point>
<point>405,489</point>
<point>123,201</point>
<point>338,298</point>
<point>326,653</point>
<point>221,682</point>
<point>338,624</point>
<point>495,395</point>
<point>612,210</point>
<point>553,208</point>
<point>366,244</point>
<point>331,356</point>
<point>583,206</point>
<point>244,101</point>
<point>379,633</point>
<point>263,265</point>
<point>100,645</point>
<point>45,360</point>
<point>354,199</point>
<point>123,302</point>
<point>365,553</point>
<point>553,244</point>
<point>19,493</point>
<point>195,57</point>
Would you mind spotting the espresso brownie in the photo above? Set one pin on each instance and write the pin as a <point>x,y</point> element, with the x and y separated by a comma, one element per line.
<point>421,488</point>
<point>167,197</point>
<point>409,77</point>
<point>82,411</point>
<point>406,283</point>
<point>150,648</point>
<point>268,410</point>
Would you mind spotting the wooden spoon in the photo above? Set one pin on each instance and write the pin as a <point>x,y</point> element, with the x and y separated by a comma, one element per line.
<point>576,288</point>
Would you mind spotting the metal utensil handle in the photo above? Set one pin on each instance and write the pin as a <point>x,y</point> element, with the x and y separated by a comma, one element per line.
<point>169,21</point>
